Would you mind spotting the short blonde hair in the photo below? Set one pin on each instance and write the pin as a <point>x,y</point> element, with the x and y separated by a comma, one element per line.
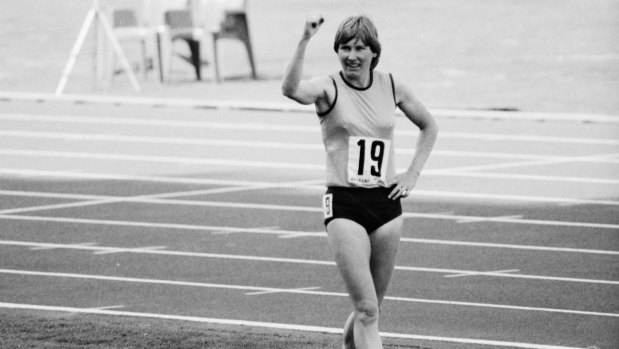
<point>362,28</point>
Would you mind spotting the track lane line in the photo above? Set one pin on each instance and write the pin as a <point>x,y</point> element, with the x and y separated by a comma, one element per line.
<point>184,180</point>
<point>162,159</point>
<point>256,126</point>
<point>271,325</point>
<point>122,177</point>
<point>299,291</point>
<point>528,163</point>
<point>183,160</point>
<point>329,263</point>
<point>312,209</point>
<point>112,137</point>
<point>322,234</point>
<point>167,198</point>
<point>93,200</point>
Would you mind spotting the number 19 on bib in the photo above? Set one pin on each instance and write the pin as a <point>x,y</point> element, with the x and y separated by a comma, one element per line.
<point>367,160</point>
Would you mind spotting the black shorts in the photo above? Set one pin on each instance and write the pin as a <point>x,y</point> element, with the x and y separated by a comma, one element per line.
<point>369,207</point>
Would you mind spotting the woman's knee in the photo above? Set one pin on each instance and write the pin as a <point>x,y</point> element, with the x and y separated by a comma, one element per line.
<point>367,311</point>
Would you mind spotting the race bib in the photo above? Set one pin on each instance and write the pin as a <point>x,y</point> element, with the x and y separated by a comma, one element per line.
<point>327,205</point>
<point>367,160</point>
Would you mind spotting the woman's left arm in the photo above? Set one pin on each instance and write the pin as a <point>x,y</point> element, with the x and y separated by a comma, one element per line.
<point>419,115</point>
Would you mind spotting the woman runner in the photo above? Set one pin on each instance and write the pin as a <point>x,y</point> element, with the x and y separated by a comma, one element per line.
<point>363,215</point>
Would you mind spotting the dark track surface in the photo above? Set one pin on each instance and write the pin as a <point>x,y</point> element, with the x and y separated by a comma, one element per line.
<point>544,203</point>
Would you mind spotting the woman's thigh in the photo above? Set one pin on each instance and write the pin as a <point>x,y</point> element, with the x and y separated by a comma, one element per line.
<point>351,247</point>
<point>384,244</point>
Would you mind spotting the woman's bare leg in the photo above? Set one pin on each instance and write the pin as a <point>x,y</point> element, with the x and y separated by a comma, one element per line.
<point>384,244</point>
<point>352,249</point>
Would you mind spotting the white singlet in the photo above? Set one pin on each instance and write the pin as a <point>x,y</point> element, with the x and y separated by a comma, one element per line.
<point>357,132</point>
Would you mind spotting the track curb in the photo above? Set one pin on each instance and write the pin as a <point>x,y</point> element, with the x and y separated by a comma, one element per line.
<point>479,114</point>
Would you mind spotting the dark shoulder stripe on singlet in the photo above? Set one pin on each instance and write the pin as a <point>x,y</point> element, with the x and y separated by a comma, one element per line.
<point>334,100</point>
<point>393,89</point>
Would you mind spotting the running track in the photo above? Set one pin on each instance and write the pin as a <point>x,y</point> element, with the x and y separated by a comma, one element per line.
<point>212,215</point>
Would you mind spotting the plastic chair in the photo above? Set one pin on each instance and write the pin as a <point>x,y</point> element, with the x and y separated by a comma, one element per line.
<point>127,27</point>
<point>234,25</point>
<point>181,27</point>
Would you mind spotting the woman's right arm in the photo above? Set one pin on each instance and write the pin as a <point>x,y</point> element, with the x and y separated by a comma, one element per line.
<point>293,87</point>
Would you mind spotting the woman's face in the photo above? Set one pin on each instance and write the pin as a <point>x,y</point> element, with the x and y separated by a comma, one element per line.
<point>355,57</point>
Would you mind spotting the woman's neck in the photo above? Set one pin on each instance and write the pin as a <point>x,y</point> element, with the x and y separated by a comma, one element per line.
<point>359,81</point>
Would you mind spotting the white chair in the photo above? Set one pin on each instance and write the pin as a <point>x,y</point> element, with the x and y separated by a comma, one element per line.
<point>170,16</point>
<point>181,26</point>
<point>142,23</point>
<point>128,28</point>
<point>226,19</point>
<point>209,14</point>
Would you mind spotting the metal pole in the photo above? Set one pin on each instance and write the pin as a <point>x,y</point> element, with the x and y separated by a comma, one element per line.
<point>81,37</point>
<point>95,14</point>
<point>99,65</point>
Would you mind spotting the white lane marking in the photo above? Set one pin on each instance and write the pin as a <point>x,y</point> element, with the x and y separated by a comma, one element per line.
<point>236,188</point>
<point>59,206</point>
<point>292,291</point>
<point>513,220</point>
<point>318,209</point>
<point>90,137</point>
<point>92,200</point>
<point>517,164</point>
<point>521,177</point>
<point>300,234</point>
<point>96,200</point>
<point>482,273</point>
<point>51,247</point>
<point>256,293</point>
<point>278,326</point>
<point>247,163</point>
<point>112,137</point>
<point>123,177</point>
<point>477,219</point>
<point>513,156</point>
<point>529,138</point>
<point>309,185</point>
<point>107,308</point>
<point>316,262</point>
<point>228,229</point>
<point>508,246</point>
<point>510,275</point>
<point>271,229</point>
<point>186,180</point>
<point>244,185</point>
<point>517,198</point>
<point>100,199</point>
<point>453,172</point>
<point>292,128</point>
<point>128,121</point>
<point>162,159</point>
<point>130,250</point>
